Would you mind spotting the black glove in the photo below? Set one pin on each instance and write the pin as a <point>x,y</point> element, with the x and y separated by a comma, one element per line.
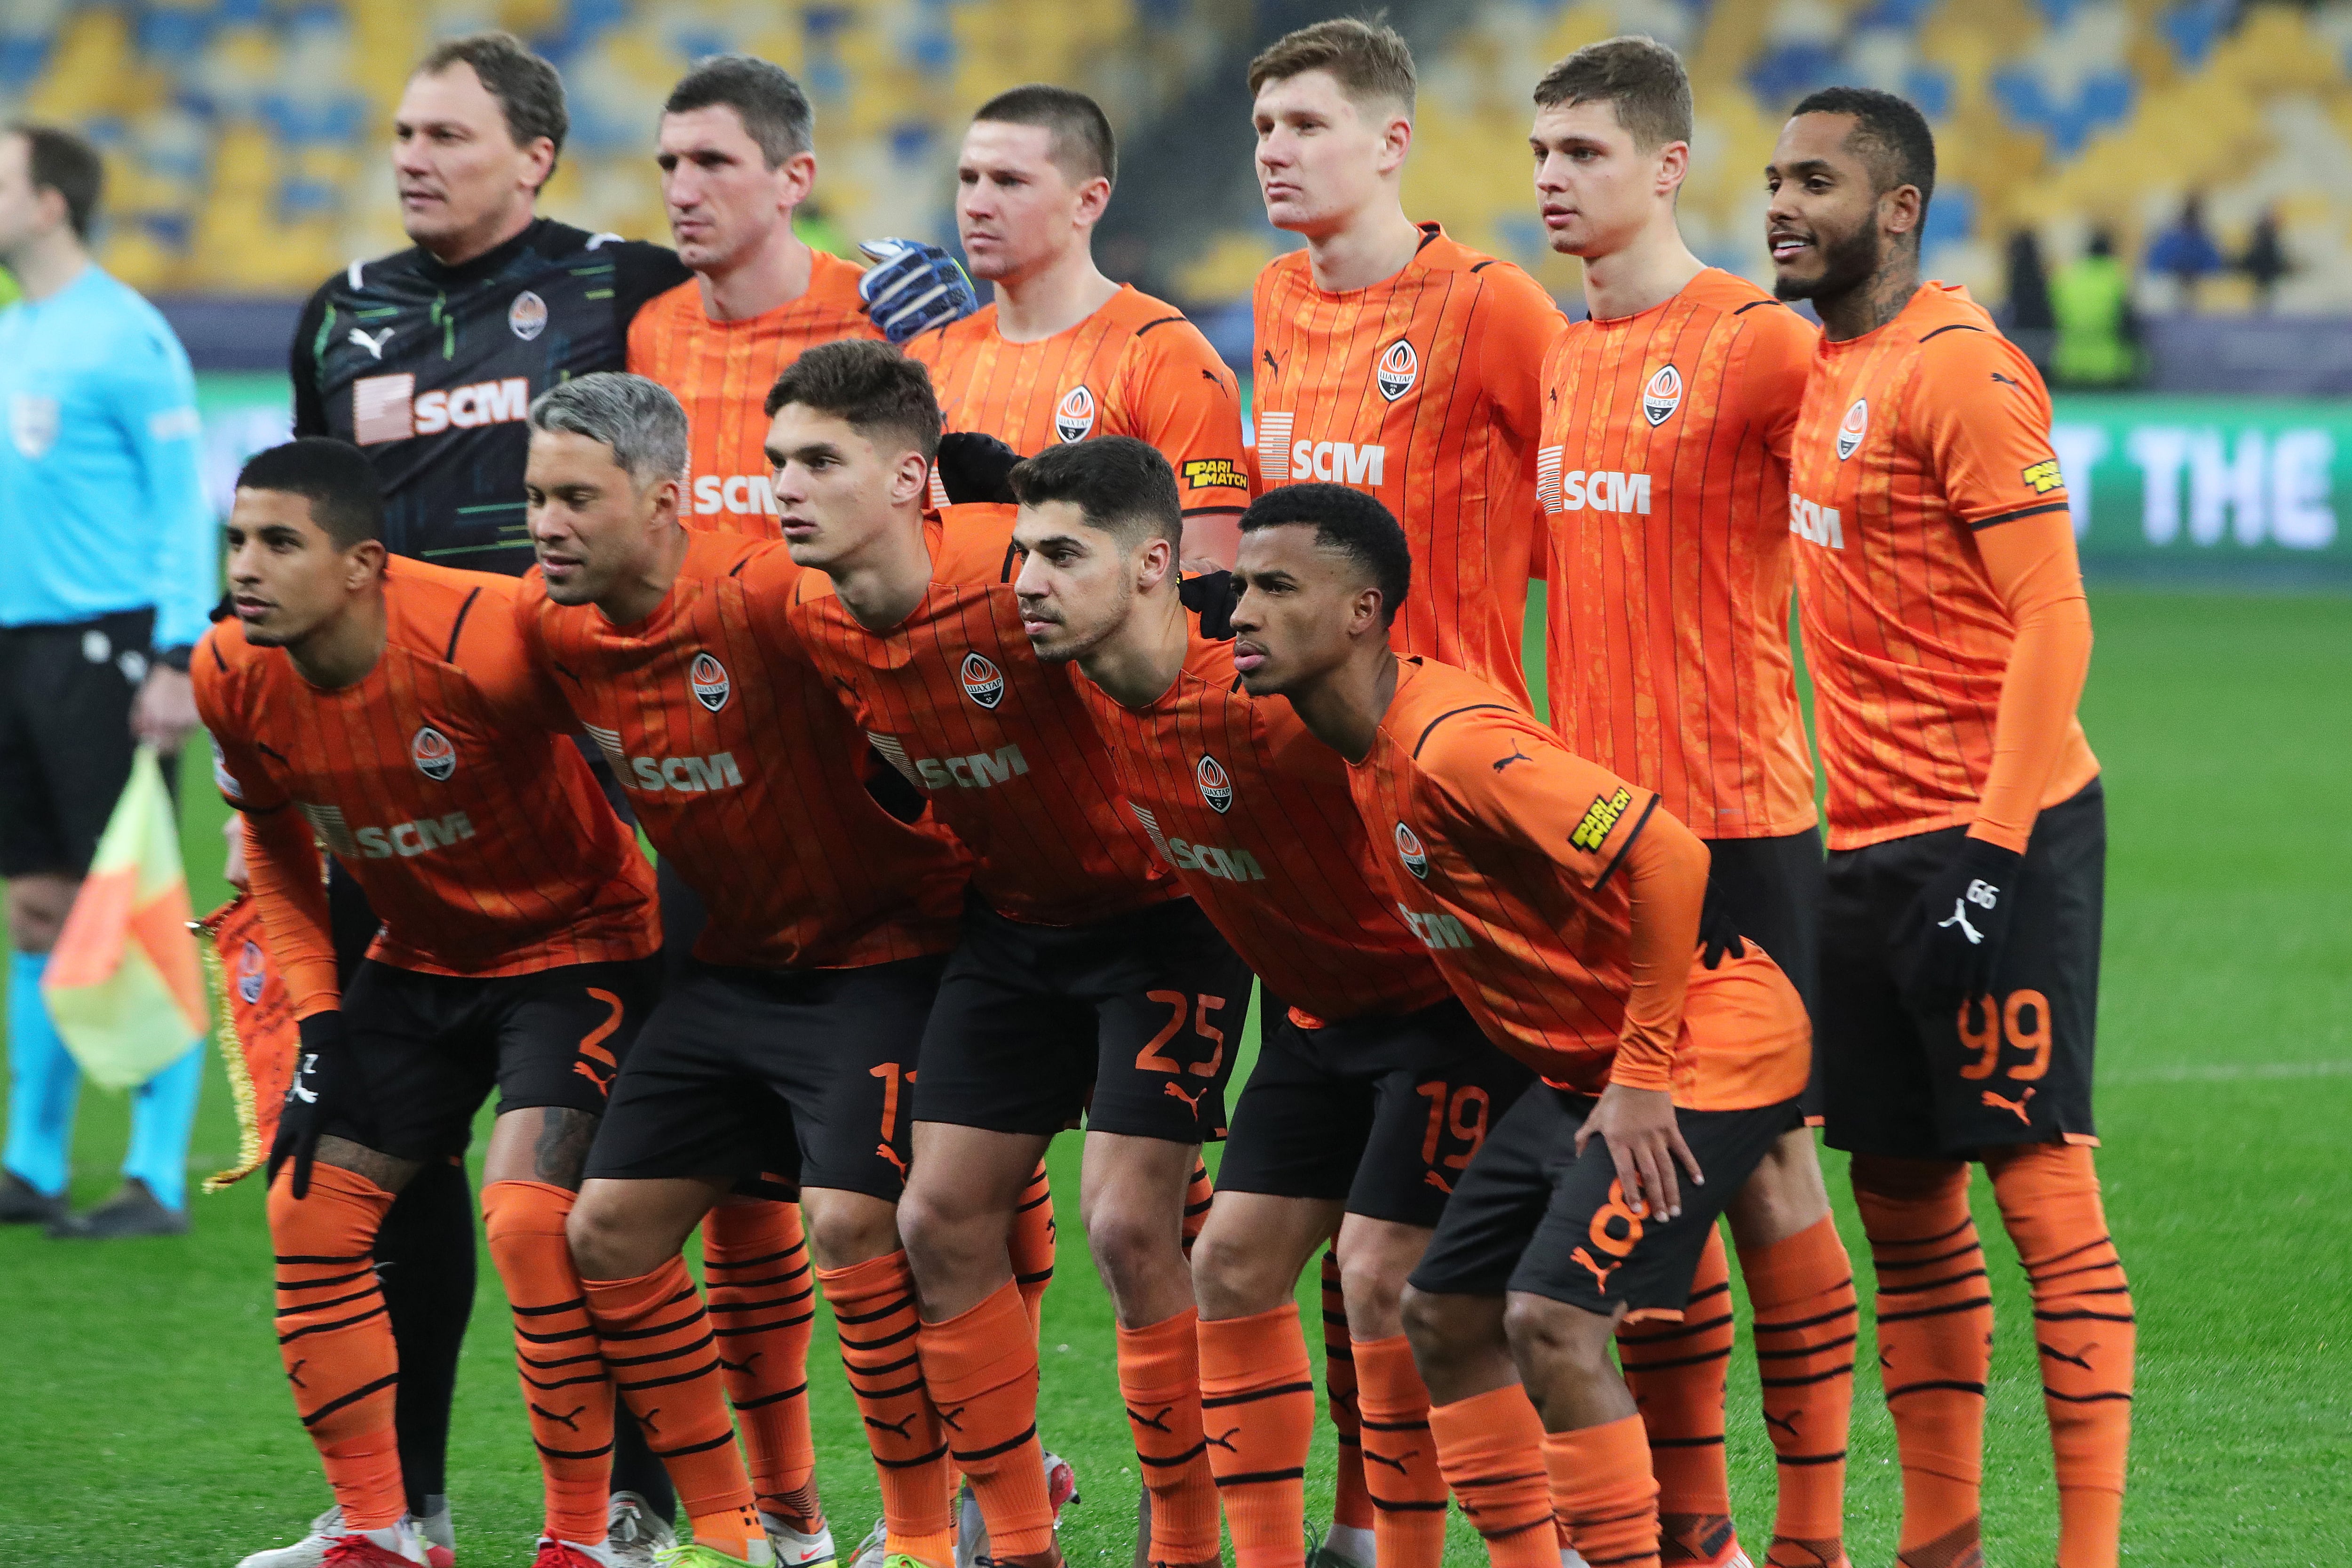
<point>972,466</point>
<point>318,1074</point>
<point>1948,941</point>
<point>1211,596</point>
<point>1719,934</point>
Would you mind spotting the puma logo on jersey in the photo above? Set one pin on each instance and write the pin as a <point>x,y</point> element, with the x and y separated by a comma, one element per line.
<point>978,770</point>
<point>1437,931</point>
<point>1597,489</point>
<point>402,840</point>
<point>389,408</point>
<point>742,495</point>
<point>680,775</point>
<point>1225,864</point>
<point>375,345</point>
<point>1814,523</point>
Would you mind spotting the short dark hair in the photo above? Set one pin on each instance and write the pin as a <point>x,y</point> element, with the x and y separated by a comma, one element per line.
<point>345,494</point>
<point>1351,521</point>
<point>774,111</point>
<point>1368,60</point>
<point>529,92</point>
<point>63,161</point>
<point>870,384</point>
<point>1641,78</point>
<point>1891,135</point>
<point>1120,484</point>
<point>1082,142</point>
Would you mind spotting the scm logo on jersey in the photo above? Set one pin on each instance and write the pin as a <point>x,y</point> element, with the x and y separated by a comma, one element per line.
<point>708,676</point>
<point>1074,417</point>
<point>1662,395</point>
<point>389,408</point>
<point>1408,850</point>
<point>1399,368</point>
<point>1216,785</point>
<point>1851,429</point>
<point>434,757</point>
<point>982,681</point>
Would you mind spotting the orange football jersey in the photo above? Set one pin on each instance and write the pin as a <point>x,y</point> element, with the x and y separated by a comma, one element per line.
<point>1664,473</point>
<point>1136,367</point>
<point>953,697</point>
<point>1254,814</point>
<point>1426,391</point>
<point>441,781</point>
<point>721,371</point>
<point>1911,439</point>
<point>1501,848</point>
<point>743,770</point>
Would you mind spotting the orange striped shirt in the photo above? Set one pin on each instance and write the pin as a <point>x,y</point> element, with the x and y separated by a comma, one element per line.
<point>1136,367</point>
<point>955,699</point>
<point>1254,814</point>
<point>1501,847</point>
<point>736,756</point>
<point>721,372</point>
<point>1664,472</point>
<point>1911,438</point>
<point>441,782</point>
<point>1424,391</point>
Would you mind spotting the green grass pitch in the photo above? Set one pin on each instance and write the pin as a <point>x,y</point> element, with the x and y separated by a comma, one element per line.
<point>145,1422</point>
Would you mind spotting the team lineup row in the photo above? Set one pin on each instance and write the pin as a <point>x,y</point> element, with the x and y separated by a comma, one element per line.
<point>991,785</point>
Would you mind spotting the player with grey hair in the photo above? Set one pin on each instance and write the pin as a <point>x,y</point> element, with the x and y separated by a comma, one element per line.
<point>606,472</point>
<point>637,417</point>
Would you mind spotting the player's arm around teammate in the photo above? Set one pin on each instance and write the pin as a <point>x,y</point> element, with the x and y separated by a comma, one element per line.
<point>1948,638</point>
<point>1570,931</point>
<point>516,952</point>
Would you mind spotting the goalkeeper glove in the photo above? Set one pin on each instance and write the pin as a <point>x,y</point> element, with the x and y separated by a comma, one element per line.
<point>975,468</point>
<point>1949,941</point>
<point>913,286</point>
<point>320,1075</point>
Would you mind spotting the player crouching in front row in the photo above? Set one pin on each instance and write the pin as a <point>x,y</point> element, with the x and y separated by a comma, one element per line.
<point>1563,908</point>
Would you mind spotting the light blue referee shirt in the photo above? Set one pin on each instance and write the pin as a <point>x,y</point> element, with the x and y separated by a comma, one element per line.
<point>103,504</point>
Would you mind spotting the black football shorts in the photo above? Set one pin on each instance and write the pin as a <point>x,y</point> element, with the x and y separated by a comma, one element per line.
<point>774,1077</point>
<point>65,696</point>
<point>1142,1011</point>
<point>1532,1214</point>
<point>428,1048</point>
<point>1382,1112</point>
<point>2012,1068</point>
<point>1773,887</point>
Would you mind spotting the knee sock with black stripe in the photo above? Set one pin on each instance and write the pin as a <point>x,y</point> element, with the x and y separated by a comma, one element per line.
<point>763,1305</point>
<point>564,1387</point>
<point>1934,1313</point>
<point>2087,1333</point>
<point>981,1369</point>
<point>1400,1468</point>
<point>1491,1447</point>
<point>1802,1288</point>
<point>1351,1505</point>
<point>1033,1235</point>
<point>1159,1381</point>
<point>657,1342</point>
<point>1603,1491</point>
<point>335,1340</point>
<point>1676,1372</point>
<point>874,1310</point>
<point>1257,1412</point>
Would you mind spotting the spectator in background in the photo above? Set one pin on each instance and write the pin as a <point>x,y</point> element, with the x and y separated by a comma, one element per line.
<point>2027,319</point>
<point>2097,334</point>
<point>2265,260</point>
<point>110,568</point>
<point>2185,252</point>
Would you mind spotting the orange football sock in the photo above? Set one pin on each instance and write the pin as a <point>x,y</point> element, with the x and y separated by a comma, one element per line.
<point>1802,1288</point>
<point>874,1311</point>
<point>1159,1379</point>
<point>1033,1247</point>
<point>657,1342</point>
<point>564,1385</point>
<point>1401,1466</point>
<point>1935,1345</point>
<point>2084,1324</point>
<point>1257,1410</point>
<point>1676,1372</point>
<point>982,1366</point>
<point>755,1267</point>
<point>1351,1505</point>
<point>1198,1196</point>
<point>1491,1447</point>
<point>335,1340</point>
<point>1603,1491</point>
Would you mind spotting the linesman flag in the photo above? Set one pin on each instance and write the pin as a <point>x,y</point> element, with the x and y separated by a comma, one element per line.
<point>123,983</point>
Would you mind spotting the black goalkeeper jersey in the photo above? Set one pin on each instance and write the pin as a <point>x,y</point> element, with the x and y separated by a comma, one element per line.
<point>430,369</point>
